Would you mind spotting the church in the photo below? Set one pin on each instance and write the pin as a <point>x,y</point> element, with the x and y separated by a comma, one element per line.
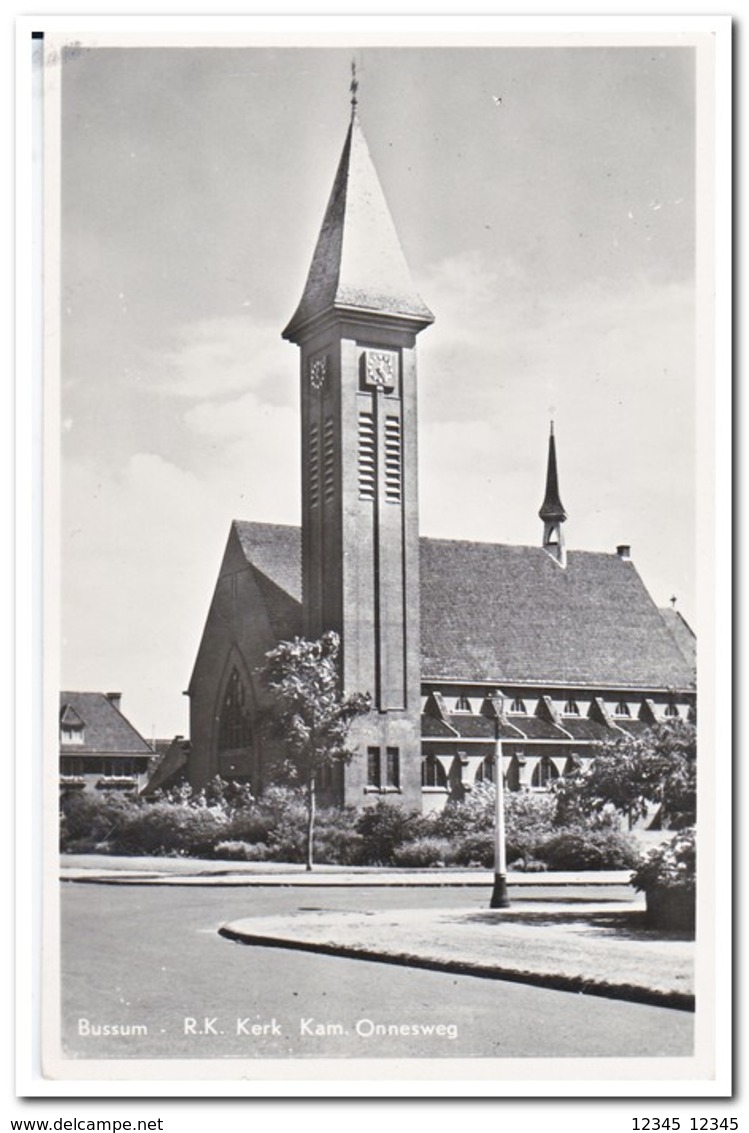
<point>459,643</point>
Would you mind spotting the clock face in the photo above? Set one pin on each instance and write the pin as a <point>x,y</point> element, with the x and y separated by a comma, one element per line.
<point>380,369</point>
<point>317,372</point>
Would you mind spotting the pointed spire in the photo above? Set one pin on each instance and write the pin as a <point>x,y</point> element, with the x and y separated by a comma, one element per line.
<point>552,509</point>
<point>358,263</point>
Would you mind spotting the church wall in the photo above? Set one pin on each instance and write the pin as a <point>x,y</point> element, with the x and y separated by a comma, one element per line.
<point>238,633</point>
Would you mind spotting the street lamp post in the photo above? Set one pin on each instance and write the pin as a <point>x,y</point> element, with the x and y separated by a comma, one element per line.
<point>500,899</point>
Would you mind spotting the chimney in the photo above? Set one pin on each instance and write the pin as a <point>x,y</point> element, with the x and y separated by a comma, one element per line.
<point>115,698</point>
<point>624,551</point>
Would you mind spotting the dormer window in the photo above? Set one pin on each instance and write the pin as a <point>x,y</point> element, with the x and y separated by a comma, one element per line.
<point>571,708</point>
<point>462,704</point>
<point>622,709</point>
<point>518,707</point>
<point>71,726</point>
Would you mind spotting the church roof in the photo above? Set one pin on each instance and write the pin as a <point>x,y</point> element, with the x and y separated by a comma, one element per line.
<point>358,262</point>
<point>276,551</point>
<point>681,633</point>
<point>506,614</point>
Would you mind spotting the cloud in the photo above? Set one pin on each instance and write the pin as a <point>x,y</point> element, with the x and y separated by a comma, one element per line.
<point>141,547</point>
<point>613,368</point>
<point>211,358</point>
<point>246,416</point>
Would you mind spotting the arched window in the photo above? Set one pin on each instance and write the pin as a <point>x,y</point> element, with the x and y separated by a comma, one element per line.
<point>622,709</point>
<point>518,707</point>
<point>235,728</point>
<point>671,710</point>
<point>462,704</point>
<point>544,772</point>
<point>432,772</point>
<point>485,770</point>
<point>571,708</point>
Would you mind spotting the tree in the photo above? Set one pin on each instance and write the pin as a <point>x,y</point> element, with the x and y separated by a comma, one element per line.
<point>631,773</point>
<point>310,714</point>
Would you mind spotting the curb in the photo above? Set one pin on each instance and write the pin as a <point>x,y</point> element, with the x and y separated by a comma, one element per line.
<point>239,882</point>
<point>651,997</point>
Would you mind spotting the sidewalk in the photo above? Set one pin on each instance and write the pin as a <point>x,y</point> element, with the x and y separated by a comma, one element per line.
<point>593,949</point>
<point>194,871</point>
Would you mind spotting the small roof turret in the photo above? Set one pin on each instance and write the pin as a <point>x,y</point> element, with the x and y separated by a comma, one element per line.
<point>552,509</point>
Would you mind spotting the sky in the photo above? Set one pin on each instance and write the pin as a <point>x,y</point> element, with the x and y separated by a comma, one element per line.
<point>545,201</point>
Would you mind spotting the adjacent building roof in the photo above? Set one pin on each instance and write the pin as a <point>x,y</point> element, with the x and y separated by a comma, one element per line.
<point>103,726</point>
<point>358,261</point>
<point>505,614</point>
<point>172,767</point>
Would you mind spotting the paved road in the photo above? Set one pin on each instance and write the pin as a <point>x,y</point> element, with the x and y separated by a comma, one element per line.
<point>150,960</point>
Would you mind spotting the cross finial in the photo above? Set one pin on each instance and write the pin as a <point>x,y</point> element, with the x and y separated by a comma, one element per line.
<point>354,86</point>
<point>672,600</point>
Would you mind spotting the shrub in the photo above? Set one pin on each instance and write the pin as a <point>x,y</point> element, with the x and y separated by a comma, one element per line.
<point>287,841</point>
<point>383,828</point>
<point>474,813</point>
<point>169,829</point>
<point>672,866</point>
<point>242,851</point>
<point>251,824</point>
<point>475,849</point>
<point>337,842</point>
<point>277,820</point>
<point>422,852</point>
<point>89,819</point>
<point>529,865</point>
<point>218,794</point>
<point>584,848</point>
<point>529,821</point>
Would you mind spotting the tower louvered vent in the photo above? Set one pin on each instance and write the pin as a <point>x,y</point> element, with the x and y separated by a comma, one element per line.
<point>393,460</point>
<point>328,461</point>
<point>314,466</point>
<point>366,456</point>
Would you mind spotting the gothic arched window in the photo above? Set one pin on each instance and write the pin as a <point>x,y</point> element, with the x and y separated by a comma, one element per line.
<point>485,770</point>
<point>235,728</point>
<point>432,772</point>
<point>544,772</point>
<point>518,707</point>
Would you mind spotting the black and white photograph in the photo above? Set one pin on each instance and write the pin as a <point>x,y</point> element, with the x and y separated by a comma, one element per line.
<point>380,599</point>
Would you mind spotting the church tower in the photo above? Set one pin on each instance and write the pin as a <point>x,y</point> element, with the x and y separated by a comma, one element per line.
<point>356,326</point>
<point>552,510</point>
